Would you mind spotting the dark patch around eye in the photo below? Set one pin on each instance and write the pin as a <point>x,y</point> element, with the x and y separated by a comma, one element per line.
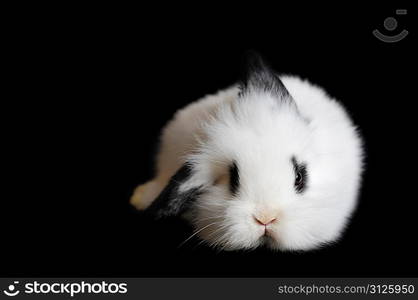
<point>233,178</point>
<point>301,175</point>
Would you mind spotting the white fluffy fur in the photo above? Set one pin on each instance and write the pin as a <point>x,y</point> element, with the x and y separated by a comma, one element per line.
<point>261,137</point>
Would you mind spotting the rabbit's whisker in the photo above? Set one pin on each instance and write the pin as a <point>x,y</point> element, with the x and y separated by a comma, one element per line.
<point>193,234</point>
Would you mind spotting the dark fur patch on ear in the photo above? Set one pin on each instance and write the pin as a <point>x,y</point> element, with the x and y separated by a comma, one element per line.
<point>171,202</point>
<point>258,76</point>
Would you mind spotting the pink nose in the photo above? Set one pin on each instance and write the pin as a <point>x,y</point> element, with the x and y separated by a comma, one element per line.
<point>264,220</point>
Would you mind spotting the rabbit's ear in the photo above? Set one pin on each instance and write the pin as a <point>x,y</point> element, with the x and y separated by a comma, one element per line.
<point>177,196</point>
<point>259,77</point>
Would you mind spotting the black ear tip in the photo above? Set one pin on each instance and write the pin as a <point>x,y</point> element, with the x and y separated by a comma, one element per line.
<point>254,62</point>
<point>258,75</point>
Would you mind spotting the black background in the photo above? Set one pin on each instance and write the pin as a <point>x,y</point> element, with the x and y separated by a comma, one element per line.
<point>91,89</point>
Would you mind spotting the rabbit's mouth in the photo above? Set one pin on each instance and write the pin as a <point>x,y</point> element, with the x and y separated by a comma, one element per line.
<point>268,241</point>
<point>267,237</point>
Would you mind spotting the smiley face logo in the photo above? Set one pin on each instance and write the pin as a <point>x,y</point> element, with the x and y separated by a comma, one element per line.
<point>391,24</point>
<point>12,291</point>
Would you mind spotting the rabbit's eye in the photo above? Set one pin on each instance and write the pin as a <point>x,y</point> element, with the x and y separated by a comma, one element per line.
<point>233,178</point>
<point>298,179</point>
<point>300,176</point>
<point>230,178</point>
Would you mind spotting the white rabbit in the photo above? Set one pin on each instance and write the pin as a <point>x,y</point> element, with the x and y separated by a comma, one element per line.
<point>272,161</point>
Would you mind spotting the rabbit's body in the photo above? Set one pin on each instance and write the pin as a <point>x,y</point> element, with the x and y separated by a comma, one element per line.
<point>178,139</point>
<point>230,160</point>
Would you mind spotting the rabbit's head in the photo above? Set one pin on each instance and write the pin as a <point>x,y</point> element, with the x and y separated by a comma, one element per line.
<point>266,173</point>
